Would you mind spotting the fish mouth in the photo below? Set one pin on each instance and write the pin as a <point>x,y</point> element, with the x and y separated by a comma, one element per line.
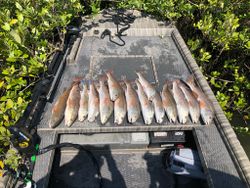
<point>91,119</point>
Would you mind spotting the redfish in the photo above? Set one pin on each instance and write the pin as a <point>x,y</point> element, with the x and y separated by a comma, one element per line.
<point>133,106</point>
<point>106,105</point>
<point>169,103</point>
<point>115,90</point>
<point>158,107</point>
<point>59,108</point>
<point>72,106</point>
<point>120,109</point>
<point>147,87</point>
<point>146,106</point>
<point>193,104</point>
<point>206,107</point>
<point>181,102</point>
<point>93,103</point>
<point>83,109</point>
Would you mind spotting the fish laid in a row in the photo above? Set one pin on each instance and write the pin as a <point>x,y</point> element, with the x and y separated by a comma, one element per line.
<point>178,99</point>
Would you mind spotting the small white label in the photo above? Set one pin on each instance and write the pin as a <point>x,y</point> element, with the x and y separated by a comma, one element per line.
<point>139,137</point>
<point>160,134</point>
<point>179,133</point>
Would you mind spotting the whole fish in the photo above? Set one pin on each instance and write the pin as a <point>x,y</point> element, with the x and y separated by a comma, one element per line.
<point>147,87</point>
<point>106,105</point>
<point>72,106</point>
<point>169,103</point>
<point>83,109</point>
<point>59,108</point>
<point>193,104</point>
<point>93,103</point>
<point>181,103</point>
<point>115,90</point>
<point>120,109</point>
<point>146,106</point>
<point>133,106</point>
<point>206,107</point>
<point>158,107</point>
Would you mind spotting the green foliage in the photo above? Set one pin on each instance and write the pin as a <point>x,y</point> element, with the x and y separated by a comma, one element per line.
<point>95,6</point>
<point>12,159</point>
<point>217,32</point>
<point>30,31</point>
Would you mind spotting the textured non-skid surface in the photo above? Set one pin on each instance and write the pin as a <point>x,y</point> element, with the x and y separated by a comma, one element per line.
<point>221,169</point>
<point>161,53</point>
<point>158,58</point>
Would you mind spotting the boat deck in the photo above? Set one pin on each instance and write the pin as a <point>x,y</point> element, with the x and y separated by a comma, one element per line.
<point>157,49</point>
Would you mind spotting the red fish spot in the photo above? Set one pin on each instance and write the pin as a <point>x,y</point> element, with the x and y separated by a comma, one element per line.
<point>202,104</point>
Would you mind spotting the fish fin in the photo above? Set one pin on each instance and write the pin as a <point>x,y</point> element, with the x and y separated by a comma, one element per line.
<point>78,79</point>
<point>137,81</point>
<point>103,78</point>
<point>124,79</point>
<point>195,94</point>
<point>177,81</point>
<point>109,71</point>
<point>169,84</point>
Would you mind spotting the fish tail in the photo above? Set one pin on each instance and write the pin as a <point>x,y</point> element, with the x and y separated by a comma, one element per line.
<point>190,80</point>
<point>102,78</point>
<point>109,71</point>
<point>169,83</point>
<point>137,81</point>
<point>78,79</point>
<point>124,79</point>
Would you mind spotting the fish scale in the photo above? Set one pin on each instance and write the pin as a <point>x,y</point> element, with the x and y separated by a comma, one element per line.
<point>58,108</point>
<point>106,105</point>
<point>158,107</point>
<point>72,106</point>
<point>193,104</point>
<point>115,89</point>
<point>93,103</point>
<point>133,106</point>
<point>83,109</point>
<point>169,103</point>
<point>206,107</point>
<point>120,109</point>
<point>146,106</point>
<point>181,103</point>
<point>147,87</point>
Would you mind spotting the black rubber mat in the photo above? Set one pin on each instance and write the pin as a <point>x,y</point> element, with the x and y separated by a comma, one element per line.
<point>119,169</point>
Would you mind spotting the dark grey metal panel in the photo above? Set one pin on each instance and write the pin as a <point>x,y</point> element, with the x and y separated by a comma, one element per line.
<point>219,165</point>
<point>44,162</point>
<point>114,140</point>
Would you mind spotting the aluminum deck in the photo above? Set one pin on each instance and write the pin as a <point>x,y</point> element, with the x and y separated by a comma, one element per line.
<point>156,48</point>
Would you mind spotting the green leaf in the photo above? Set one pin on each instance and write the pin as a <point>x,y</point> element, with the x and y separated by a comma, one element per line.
<point>18,6</point>
<point>1,83</point>
<point>9,104</point>
<point>20,17</point>
<point>6,26</point>
<point>16,36</point>
<point>19,100</point>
